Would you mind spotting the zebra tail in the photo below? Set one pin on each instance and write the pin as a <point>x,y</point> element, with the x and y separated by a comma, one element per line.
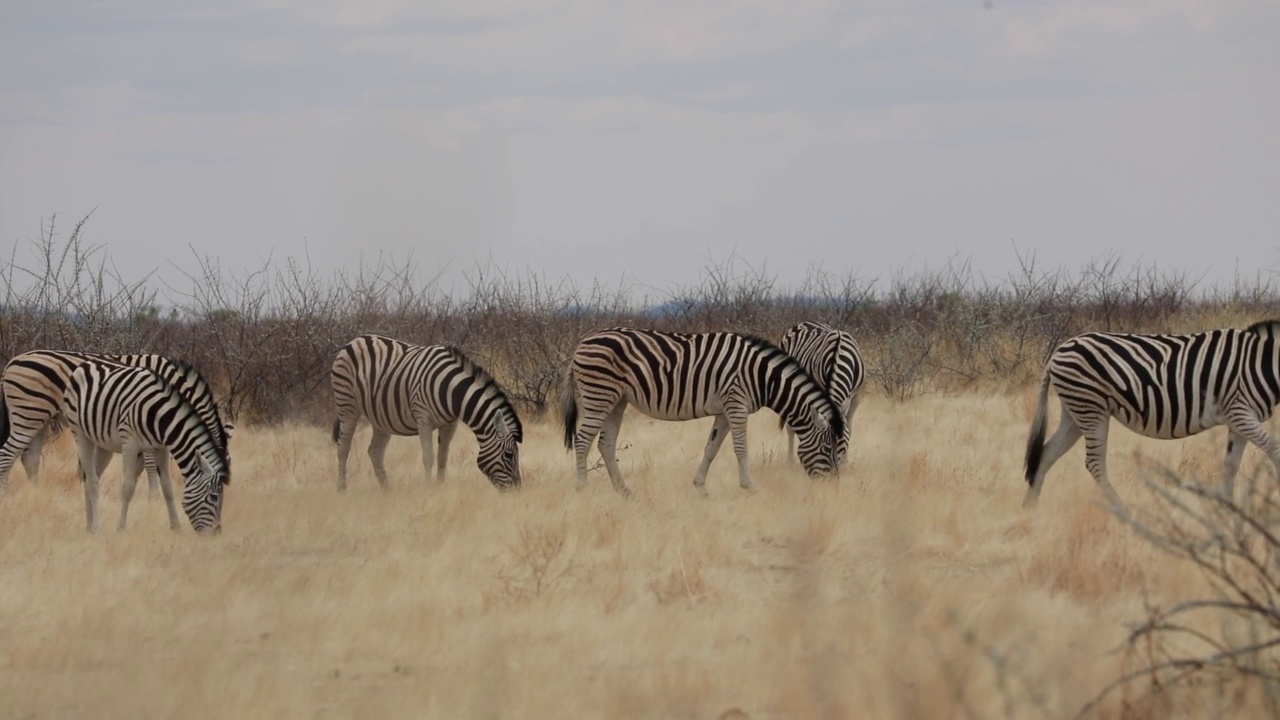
<point>337,428</point>
<point>1035,440</point>
<point>569,409</point>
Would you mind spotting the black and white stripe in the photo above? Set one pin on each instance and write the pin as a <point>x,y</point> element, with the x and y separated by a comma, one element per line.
<point>833,359</point>
<point>679,376</point>
<point>407,389</point>
<point>115,408</point>
<point>31,390</point>
<point>1161,386</point>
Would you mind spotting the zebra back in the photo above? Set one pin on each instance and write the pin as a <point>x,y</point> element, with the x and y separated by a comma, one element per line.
<point>1266,329</point>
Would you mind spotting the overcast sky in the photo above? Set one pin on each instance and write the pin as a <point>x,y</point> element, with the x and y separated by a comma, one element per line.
<point>601,138</point>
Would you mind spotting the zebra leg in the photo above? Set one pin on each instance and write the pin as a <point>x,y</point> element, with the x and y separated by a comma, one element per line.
<point>31,455</point>
<point>590,423</point>
<point>129,462</point>
<point>346,432</point>
<point>88,460</point>
<point>1251,429</point>
<point>150,463</point>
<point>8,456</point>
<point>446,437</point>
<point>1095,458</point>
<point>102,459</point>
<point>1066,436</point>
<point>377,452</point>
<point>1235,451</point>
<point>848,434</point>
<point>428,448</point>
<point>166,487</point>
<point>738,426</point>
<point>17,445</point>
<point>714,440</point>
<point>609,448</point>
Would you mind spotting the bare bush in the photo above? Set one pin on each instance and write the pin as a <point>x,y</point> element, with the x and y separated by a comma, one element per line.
<point>266,337</point>
<point>1228,636</point>
<point>533,563</point>
<point>68,295</point>
<point>899,364</point>
<point>524,328</point>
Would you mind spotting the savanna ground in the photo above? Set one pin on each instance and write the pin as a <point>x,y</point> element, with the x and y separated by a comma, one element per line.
<point>915,586</point>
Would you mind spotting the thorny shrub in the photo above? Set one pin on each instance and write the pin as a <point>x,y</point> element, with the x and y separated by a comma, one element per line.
<point>266,337</point>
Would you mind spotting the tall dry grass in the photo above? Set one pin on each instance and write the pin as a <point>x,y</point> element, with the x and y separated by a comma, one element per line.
<point>915,586</point>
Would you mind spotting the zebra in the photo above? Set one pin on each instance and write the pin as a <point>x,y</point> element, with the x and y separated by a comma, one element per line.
<point>113,408</point>
<point>1160,386</point>
<point>832,357</point>
<point>407,389</point>
<point>32,388</point>
<point>684,376</point>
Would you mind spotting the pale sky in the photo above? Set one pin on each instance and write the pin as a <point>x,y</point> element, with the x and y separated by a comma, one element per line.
<point>599,138</point>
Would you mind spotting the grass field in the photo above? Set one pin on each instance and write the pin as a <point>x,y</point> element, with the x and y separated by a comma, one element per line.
<point>915,586</point>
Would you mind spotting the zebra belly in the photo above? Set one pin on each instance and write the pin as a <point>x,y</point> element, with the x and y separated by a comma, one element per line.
<point>113,442</point>
<point>1171,428</point>
<point>403,420</point>
<point>713,406</point>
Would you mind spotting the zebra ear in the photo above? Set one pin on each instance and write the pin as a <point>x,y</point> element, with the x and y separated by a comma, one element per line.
<point>204,464</point>
<point>227,430</point>
<point>816,417</point>
<point>500,425</point>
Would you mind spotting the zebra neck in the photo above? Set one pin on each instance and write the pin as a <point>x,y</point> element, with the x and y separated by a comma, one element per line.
<point>480,416</point>
<point>188,459</point>
<point>781,395</point>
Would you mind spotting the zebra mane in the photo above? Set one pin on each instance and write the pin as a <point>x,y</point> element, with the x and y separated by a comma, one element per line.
<point>1266,328</point>
<point>187,370</point>
<point>485,380</point>
<point>223,454</point>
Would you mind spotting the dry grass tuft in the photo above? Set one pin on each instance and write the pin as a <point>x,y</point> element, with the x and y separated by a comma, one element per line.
<point>914,586</point>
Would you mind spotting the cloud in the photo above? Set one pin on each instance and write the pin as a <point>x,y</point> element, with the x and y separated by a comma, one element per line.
<point>642,134</point>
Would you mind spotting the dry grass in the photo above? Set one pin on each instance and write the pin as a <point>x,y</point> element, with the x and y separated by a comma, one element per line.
<point>913,587</point>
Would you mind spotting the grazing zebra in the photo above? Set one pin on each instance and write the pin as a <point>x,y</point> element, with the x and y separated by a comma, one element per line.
<point>409,389</point>
<point>31,389</point>
<point>832,357</point>
<point>1161,386</point>
<point>679,376</point>
<point>115,408</point>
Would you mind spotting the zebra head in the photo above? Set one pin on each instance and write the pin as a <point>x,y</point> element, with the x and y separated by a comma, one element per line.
<point>499,456</point>
<point>819,443</point>
<point>202,497</point>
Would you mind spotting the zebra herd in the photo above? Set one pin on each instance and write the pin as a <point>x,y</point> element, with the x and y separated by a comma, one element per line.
<point>148,407</point>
